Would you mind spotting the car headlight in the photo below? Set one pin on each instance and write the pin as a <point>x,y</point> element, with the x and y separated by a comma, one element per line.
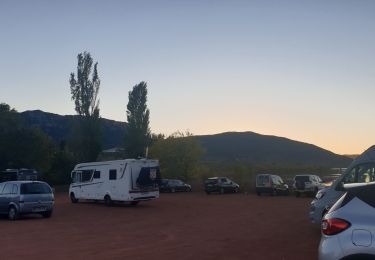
<point>319,195</point>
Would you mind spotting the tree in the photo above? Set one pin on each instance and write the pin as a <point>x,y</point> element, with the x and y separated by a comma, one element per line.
<point>179,155</point>
<point>83,89</point>
<point>137,136</point>
<point>22,147</point>
<point>86,141</point>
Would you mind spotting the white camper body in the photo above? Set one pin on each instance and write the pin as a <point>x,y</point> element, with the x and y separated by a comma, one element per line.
<point>127,180</point>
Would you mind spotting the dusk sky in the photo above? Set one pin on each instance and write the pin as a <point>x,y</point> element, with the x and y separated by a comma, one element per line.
<point>304,70</point>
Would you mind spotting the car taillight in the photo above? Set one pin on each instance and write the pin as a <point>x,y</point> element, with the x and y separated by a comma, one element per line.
<point>334,226</point>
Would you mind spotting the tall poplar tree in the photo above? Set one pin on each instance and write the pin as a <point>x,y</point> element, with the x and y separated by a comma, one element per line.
<point>137,136</point>
<point>84,87</point>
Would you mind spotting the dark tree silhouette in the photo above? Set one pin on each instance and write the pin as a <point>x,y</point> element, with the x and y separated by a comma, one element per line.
<point>137,136</point>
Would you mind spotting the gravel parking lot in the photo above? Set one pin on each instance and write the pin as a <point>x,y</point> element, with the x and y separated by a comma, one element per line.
<point>176,226</point>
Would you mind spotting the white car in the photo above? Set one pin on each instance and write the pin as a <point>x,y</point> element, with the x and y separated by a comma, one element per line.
<point>307,184</point>
<point>348,229</point>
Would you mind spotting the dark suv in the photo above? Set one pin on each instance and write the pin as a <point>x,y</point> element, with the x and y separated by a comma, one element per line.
<point>272,184</point>
<point>169,185</point>
<point>221,185</point>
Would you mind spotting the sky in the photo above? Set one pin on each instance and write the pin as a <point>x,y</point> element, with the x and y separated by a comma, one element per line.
<point>300,69</point>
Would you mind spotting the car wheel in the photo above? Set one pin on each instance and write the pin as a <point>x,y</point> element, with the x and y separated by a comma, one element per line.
<point>108,201</point>
<point>274,192</point>
<point>258,193</point>
<point>208,193</point>
<point>173,190</point>
<point>73,198</point>
<point>287,192</point>
<point>297,194</point>
<point>221,190</point>
<point>236,190</point>
<point>12,213</point>
<point>47,214</point>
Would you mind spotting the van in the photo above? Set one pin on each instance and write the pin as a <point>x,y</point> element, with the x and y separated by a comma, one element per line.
<point>361,170</point>
<point>271,184</point>
<point>26,197</point>
<point>128,180</point>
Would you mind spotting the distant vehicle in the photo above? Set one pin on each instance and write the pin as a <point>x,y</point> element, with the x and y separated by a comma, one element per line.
<point>271,184</point>
<point>18,175</point>
<point>307,184</point>
<point>348,227</point>
<point>128,180</point>
<point>26,197</point>
<point>221,185</point>
<point>362,169</point>
<point>170,185</point>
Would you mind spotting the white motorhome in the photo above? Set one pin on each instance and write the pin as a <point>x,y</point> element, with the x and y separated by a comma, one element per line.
<point>127,180</point>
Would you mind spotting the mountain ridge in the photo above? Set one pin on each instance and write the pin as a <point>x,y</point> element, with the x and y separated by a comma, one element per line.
<point>253,147</point>
<point>228,146</point>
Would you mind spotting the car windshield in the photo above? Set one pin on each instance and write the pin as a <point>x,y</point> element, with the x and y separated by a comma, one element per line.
<point>263,179</point>
<point>35,188</point>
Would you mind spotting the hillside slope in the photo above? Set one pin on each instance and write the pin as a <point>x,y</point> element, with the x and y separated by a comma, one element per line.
<point>230,146</point>
<point>58,127</point>
<point>253,147</point>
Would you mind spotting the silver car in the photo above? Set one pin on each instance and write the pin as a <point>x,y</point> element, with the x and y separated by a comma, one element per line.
<point>348,229</point>
<point>26,197</point>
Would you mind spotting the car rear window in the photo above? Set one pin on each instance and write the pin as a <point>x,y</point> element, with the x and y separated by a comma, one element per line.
<point>35,188</point>
<point>364,193</point>
<point>302,178</point>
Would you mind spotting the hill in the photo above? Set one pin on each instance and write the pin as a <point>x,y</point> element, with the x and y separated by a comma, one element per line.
<point>58,127</point>
<point>253,147</point>
<point>230,146</point>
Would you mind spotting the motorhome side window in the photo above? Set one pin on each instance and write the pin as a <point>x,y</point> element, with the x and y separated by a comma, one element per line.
<point>112,174</point>
<point>361,173</point>
<point>97,175</point>
<point>86,175</point>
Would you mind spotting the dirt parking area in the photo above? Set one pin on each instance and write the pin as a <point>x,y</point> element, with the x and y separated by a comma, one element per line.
<point>176,226</point>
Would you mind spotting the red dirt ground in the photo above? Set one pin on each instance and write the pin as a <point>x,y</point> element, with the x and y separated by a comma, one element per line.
<point>176,226</point>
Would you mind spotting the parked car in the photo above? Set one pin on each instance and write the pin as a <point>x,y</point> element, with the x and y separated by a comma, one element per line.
<point>170,185</point>
<point>307,184</point>
<point>26,197</point>
<point>362,169</point>
<point>272,184</point>
<point>221,185</point>
<point>348,227</point>
<point>18,175</point>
